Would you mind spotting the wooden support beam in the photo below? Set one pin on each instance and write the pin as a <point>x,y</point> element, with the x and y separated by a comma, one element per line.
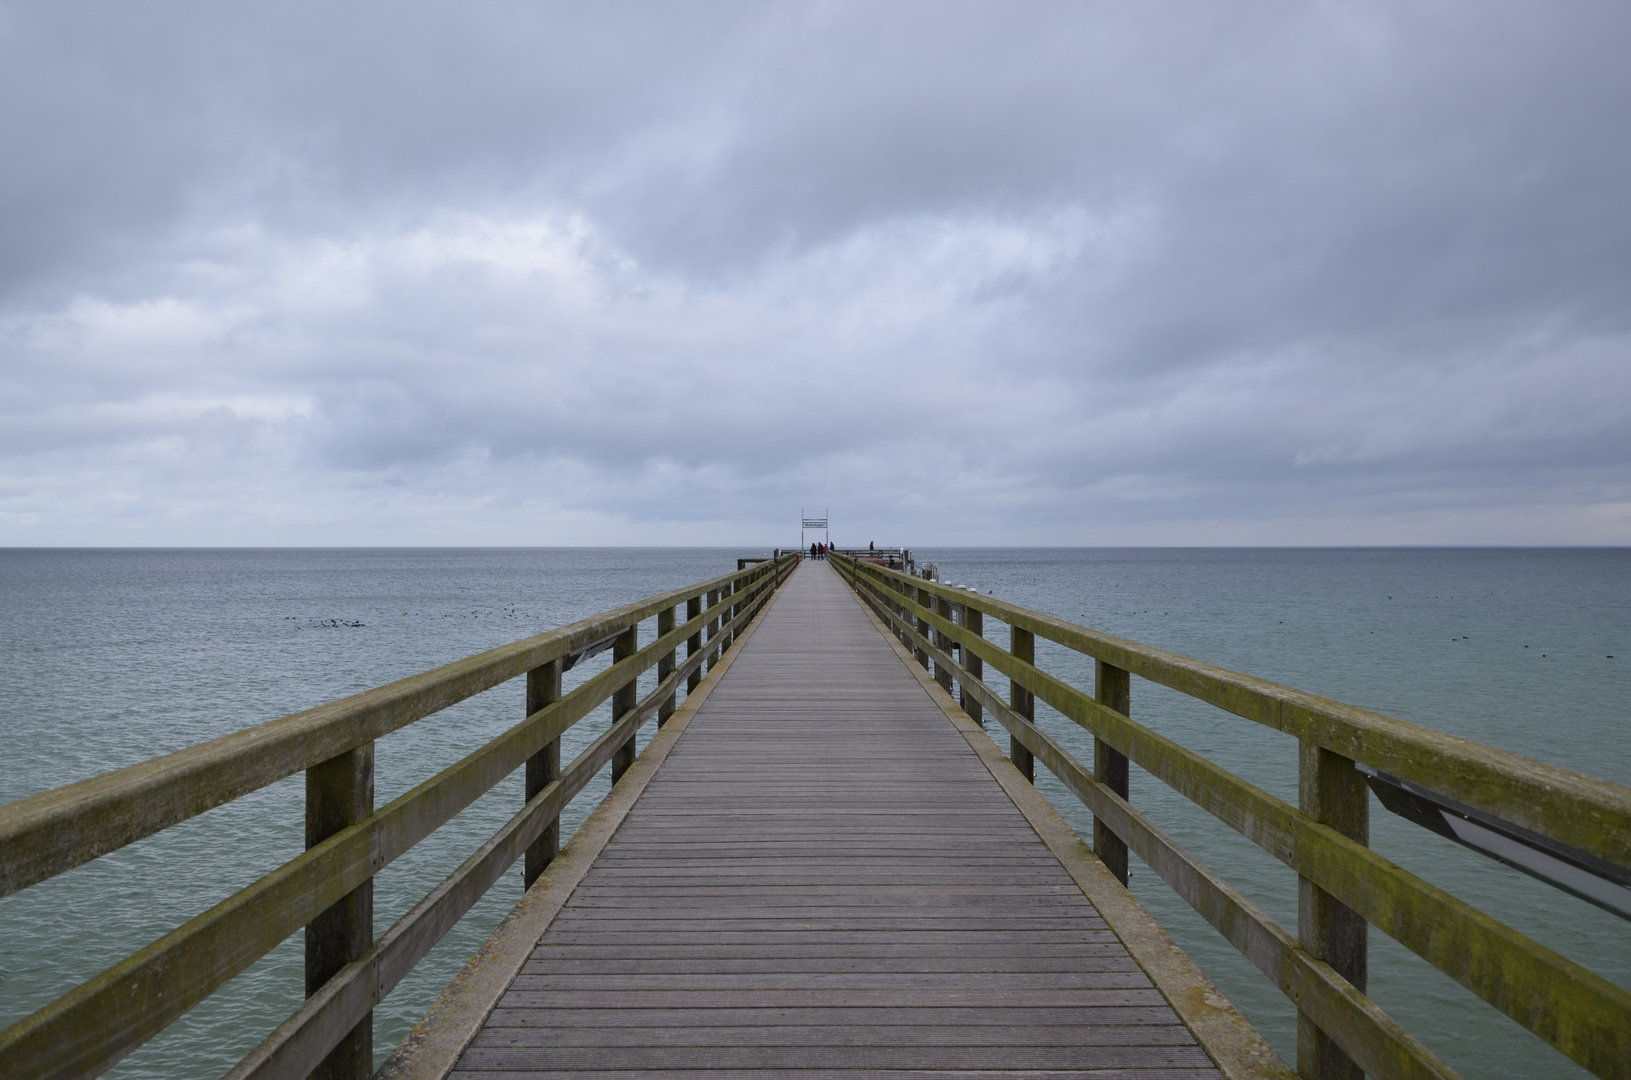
<point>543,769</point>
<point>627,644</point>
<point>1332,792</point>
<point>942,673</point>
<point>665,666</point>
<point>340,793</point>
<point>1112,689</point>
<point>1023,646</point>
<point>974,623</point>
<point>726,592</point>
<point>713,630</point>
<point>693,645</point>
<point>925,599</point>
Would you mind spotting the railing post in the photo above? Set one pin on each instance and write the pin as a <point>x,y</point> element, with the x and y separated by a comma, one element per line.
<point>623,699</point>
<point>924,599</point>
<point>665,664</point>
<point>1023,646</point>
<point>723,636</point>
<point>1112,688</point>
<point>340,793</point>
<point>713,630</point>
<point>974,623</point>
<point>693,644</point>
<point>543,769</point>
<point>942,675</point>
<point>1332,792</point>
<point>728,593</point>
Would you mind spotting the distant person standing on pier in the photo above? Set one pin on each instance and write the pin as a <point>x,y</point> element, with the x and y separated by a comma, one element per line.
<point>813,551</point>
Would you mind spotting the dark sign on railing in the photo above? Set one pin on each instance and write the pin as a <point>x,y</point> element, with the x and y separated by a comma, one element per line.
<point>1580,873</point>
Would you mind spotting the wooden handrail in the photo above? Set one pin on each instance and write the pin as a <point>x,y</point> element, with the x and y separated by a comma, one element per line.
<point>45,834</point>
<point>1569,1006</point>
<point>1573,808</point>
<point>87,1030</point>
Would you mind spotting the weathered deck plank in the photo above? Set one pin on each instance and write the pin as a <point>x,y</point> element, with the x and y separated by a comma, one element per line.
<point>824,880</point>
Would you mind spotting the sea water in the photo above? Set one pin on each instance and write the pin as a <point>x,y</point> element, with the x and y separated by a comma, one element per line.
<point>110,657</point>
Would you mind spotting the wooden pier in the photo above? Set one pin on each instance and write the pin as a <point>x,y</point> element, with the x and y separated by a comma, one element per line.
<point>825,875</point>
<point>821,864</point>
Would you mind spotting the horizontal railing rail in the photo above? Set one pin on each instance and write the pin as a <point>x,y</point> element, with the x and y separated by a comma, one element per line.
<point>45,834</point>
<point>1341,880</point>
<point>92,1027</point>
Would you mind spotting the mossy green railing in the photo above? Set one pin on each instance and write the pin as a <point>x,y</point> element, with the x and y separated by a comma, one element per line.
<point>327,889</point>
<point>1343,885</point>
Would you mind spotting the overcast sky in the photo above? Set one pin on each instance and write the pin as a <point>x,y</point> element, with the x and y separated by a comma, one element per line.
<point>1005,273</point>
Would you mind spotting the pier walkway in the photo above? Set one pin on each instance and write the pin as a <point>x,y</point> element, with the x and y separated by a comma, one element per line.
<point>824,877</point>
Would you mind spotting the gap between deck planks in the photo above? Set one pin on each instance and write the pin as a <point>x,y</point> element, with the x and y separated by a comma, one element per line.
<point>823,880</point>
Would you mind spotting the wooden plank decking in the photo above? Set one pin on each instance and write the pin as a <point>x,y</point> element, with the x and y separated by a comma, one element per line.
<point>824,878</point>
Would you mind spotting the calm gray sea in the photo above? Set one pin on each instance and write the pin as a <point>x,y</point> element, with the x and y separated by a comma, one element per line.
<point>108,657</point>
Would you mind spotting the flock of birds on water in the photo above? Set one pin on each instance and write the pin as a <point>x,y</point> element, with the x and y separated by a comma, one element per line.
<point>510,612</point>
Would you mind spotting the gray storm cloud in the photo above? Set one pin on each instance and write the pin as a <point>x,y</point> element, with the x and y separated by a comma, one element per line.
<point>995,273</point>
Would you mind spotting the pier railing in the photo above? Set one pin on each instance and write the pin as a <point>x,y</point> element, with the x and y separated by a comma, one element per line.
<point>1343,886</point>
<point>328,889</point>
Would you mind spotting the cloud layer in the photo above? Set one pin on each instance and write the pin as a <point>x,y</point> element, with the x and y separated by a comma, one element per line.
<point>1007,273</point>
